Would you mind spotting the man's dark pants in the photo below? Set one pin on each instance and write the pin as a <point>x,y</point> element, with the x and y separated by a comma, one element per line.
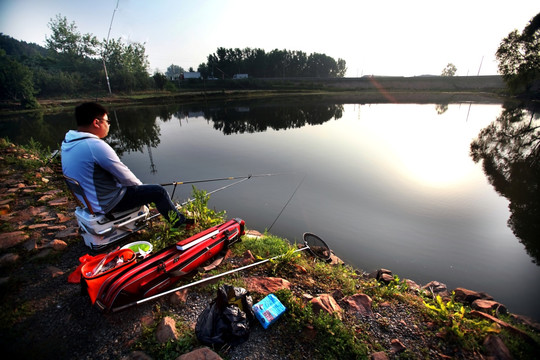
<point>140,195</point>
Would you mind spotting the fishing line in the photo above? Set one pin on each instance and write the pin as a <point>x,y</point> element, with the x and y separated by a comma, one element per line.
<point>178,206</point>
<point>298,187</point>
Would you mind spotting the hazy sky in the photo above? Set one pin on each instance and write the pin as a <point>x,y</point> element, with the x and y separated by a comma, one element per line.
<point>392,37</point>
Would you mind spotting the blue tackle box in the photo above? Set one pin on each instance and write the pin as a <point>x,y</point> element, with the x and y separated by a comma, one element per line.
<point>268,310</point>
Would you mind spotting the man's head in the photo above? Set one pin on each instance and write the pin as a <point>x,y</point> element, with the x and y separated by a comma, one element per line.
<point>93,118</point>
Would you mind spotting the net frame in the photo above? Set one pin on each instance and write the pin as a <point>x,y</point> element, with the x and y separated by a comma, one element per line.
<point>316,246</point>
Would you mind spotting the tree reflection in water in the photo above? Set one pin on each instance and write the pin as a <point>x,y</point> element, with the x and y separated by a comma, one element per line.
<point>510,150</point>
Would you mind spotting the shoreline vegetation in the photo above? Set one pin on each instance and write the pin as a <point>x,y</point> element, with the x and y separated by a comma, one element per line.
<point>333,310</point>
<point>367,89</point>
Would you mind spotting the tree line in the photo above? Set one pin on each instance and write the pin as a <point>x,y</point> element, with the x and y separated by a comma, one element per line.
<point>71,64</point>
<point>75,64</point>
<point>276,63</point>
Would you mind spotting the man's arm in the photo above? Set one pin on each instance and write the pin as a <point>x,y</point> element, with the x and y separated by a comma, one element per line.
<point>107,158</point>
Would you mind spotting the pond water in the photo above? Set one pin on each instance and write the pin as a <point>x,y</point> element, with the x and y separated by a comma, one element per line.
<point>385,185</point>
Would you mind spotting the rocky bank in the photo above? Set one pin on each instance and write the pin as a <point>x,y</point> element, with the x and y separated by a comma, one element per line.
<point>45,317</point>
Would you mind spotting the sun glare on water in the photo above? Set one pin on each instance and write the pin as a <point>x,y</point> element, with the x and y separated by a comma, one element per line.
<point>416,143</point>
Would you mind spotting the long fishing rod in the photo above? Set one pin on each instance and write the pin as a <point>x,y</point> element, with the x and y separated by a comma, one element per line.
<point>218,179</point>
<point>176,183</point>
<point>316,246</point>
<point>178,206</point>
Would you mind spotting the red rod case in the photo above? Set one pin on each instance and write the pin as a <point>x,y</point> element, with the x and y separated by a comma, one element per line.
<point>163,269</point>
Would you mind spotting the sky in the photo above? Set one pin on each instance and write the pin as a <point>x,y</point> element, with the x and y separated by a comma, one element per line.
<point>392,37</point>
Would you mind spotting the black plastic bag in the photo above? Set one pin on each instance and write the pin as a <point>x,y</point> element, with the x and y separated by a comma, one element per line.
<point>227,319</point>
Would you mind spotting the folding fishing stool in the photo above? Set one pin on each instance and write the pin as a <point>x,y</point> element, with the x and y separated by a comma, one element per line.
<point>100,230</point>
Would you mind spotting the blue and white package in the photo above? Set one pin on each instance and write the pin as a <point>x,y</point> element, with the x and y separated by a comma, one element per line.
<point>268,310</point>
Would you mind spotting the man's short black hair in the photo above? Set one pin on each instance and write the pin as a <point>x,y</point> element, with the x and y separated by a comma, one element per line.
<point>87,112</point>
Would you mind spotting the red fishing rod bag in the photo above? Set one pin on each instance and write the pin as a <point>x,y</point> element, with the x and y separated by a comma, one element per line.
<point>163,269</point>
<point>101,267</point>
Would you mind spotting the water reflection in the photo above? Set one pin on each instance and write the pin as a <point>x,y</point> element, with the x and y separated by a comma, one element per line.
<point>245,119</point>
<point>49,130</point>
<point>134,130</point>
<point>509,149</point>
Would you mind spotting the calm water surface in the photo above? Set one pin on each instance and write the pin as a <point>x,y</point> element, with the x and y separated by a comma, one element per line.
<point>387,186</point>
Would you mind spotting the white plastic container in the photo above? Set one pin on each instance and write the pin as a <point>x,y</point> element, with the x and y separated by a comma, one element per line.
<point>99,231</point>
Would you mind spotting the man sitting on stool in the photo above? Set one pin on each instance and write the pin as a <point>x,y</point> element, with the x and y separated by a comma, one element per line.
<point>108,184</point>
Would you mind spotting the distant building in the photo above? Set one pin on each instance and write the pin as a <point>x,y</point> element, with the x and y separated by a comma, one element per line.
<point>191,75</point>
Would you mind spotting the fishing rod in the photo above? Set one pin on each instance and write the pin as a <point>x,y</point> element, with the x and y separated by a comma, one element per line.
<point>176,183</point>
<point>178,206</point>
<point>217,179</point>
<point>316,246</point>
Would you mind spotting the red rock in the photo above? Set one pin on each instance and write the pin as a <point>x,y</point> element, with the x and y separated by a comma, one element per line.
<point>334,260</point>
<point>179,297</point>
<point>360,303</point>
<point>412,285</point>
<point>68,233</point>
<point>8,259</point>
<point>147,320</point>
<point>46,197</point>
<point>386,278</point>
<point>55,272</point>
<point>253,234</point>
<point>381,355</point>
<point>166,330</point>
<point>326,302</point>
<point>56,227</point>
<point>469,296</point>
<point>12,238</point>
<point>37,226</point>
<point>436,288</point>
<point>397,346</point>
<point>495,347</point>
<point>58,245</point>
<point>62,218</point>
<point>63,201</point>
<point>203,353</point>
<point>247,258</point>
<point>488,306</point>
<point>266,285</point>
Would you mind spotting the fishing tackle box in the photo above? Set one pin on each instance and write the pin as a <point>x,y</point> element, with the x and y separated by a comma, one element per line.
<point>268,310</point>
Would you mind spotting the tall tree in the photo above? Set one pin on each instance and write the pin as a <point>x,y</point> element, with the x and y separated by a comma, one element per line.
<point>449,70</point>
<point>16,82</point>
<point>519,59</point>
<point>66,39</point>
<point>174,71</point>
<point>127,64</point>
